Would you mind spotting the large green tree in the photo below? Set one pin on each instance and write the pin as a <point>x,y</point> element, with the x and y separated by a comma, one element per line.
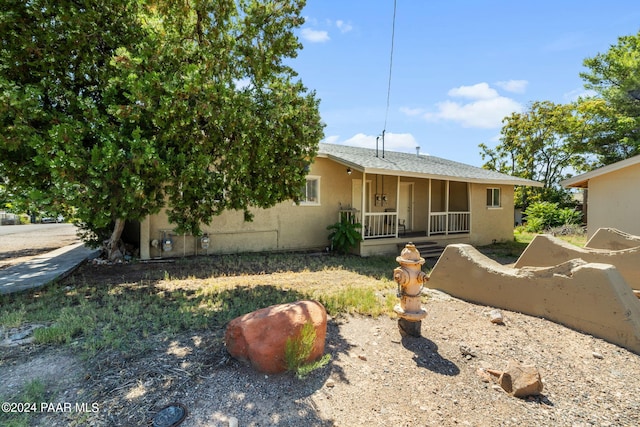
<point>615,109</point>
<point>124,107</point>
<point>537,144</point>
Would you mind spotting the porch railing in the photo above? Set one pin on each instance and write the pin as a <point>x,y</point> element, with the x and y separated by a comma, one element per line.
<point>449,222</point>
<point>380,224</point>
<point>383,224</point>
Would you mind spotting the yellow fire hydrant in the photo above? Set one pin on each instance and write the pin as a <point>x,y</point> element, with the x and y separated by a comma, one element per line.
<point>410,279</point>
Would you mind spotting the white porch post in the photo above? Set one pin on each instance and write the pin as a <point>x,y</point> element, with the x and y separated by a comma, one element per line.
<point>397,221</point>
<point>363,204</point>
<point>429,210</point>
<point>446,208</point>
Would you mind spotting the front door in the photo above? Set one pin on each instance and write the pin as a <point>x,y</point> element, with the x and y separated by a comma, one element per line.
<point>405,204</point>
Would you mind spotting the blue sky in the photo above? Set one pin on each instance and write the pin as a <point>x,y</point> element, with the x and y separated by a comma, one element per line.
<point>459,67</point>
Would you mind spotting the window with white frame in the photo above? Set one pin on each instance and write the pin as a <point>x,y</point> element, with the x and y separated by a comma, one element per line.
<point>311,192</point>
<point>493,198</point>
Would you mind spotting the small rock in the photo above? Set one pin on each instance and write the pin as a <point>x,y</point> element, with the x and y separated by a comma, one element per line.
<point>362,357</point>
<point>597,355</point>
<point>521,381</point>
<point>496,317</point>
<point>233,422</point>
<point>484,375</point>
<point>330,383</point>
<point>466,351</point>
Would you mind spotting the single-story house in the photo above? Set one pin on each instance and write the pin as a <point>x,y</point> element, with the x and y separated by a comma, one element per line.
<point>397,197</point>
<point>609,196</point>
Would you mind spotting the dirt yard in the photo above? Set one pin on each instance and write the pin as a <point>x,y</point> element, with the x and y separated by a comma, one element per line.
<point>375,377</point>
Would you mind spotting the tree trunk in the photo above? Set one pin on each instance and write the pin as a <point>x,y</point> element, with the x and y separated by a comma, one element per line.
<point>113,253</point>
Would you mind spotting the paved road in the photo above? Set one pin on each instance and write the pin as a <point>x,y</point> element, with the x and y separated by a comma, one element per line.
<point>20,241</point>
<point>30,229</point>
<point>35,254</point>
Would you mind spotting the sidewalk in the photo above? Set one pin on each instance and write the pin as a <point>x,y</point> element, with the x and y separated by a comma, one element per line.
<point>44,268</point>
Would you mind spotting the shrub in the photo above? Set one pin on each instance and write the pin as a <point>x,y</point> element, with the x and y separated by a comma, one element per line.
<point>344,235</point>
<point>297,350</point>
<point>546,215</point>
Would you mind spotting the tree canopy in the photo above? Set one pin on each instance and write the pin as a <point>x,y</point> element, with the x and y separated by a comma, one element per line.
<point>536,144</point>
<point>548,142</point>
<point>615,78</point>
<point>124,107</point>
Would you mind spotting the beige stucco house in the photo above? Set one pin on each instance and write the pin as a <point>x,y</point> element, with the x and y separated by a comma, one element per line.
<point>610,196</point>
<point>398,197</point>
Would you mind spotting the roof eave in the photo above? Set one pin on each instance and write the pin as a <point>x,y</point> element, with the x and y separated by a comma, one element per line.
<point>582,181</point>
<point>409,174</point>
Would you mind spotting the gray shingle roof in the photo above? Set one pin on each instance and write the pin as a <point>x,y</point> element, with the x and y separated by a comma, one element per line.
<point>422,166</point>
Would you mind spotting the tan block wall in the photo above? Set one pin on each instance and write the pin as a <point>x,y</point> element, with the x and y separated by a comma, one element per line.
<point>613,201</point>
<point>592,298</point>
<point>612,239</point>
<point>546,250</point>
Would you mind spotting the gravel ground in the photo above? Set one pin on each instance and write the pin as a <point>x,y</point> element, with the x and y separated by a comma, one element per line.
<point>375,377</point>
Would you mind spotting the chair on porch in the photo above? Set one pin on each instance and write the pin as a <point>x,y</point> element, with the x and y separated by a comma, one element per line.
<point>401,223</point>
<point>402,226</point>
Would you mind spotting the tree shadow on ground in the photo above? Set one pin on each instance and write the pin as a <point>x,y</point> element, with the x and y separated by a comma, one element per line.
<point>203,267</point>
<point>193,368</point>
<point>425,354</point>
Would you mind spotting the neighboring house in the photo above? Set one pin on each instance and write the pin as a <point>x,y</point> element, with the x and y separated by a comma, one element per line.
<point>610,196</point>
<point>398,197</point>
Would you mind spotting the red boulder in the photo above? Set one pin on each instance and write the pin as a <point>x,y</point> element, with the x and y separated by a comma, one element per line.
<point>260,337</point>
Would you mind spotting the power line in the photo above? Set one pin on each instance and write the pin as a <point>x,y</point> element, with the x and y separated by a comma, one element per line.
<point>393,33</point>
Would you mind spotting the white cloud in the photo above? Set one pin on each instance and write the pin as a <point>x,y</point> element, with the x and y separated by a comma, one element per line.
<point>314,36</point>
<point>332,139</point>
<point>477,91</point>
<point>404,142</point>
<point>343,26</point>
<point>486,109</point>
<point>515,86</point>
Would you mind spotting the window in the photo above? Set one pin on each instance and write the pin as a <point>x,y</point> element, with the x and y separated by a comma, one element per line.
<point>311,192</point>
<point>493,198</point>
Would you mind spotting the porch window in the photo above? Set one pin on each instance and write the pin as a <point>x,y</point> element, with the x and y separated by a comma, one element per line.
<point>311,192</point>
<point>493,198</point>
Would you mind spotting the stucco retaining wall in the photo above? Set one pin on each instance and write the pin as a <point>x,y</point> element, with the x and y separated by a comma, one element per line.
<point>546,250</point>
<point>612,239</point>
<point>589,297</point>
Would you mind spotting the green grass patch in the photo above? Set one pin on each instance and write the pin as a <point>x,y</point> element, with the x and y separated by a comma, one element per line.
<point>127,307</point>
<point>31,395</point>
<point>193,295</point>
<point>13,318</point>
<point>298,349</point>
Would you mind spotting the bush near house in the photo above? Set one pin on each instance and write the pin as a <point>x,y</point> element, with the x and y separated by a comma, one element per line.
<point>543,216</point>
<point>345,235</point>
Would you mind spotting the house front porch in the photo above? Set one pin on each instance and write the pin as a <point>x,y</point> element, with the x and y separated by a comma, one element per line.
<point>394,210</point>
<point>385,233</point>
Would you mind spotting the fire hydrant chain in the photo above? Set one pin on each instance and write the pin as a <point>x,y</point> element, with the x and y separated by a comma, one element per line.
<point>401,293</point>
